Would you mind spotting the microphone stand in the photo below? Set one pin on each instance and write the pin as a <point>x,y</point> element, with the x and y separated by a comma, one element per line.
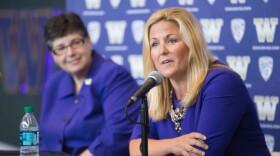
<point>144,126</point>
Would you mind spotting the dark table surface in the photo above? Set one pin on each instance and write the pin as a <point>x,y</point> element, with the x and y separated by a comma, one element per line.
<point>41,153</point>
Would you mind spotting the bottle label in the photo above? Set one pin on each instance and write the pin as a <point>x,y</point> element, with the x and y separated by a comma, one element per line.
<point>29,138</point>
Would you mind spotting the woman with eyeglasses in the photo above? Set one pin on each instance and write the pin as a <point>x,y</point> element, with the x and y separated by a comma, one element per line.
<point>83,104</point>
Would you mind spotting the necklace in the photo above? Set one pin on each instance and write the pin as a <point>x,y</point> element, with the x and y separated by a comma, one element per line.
<point>177,115</point>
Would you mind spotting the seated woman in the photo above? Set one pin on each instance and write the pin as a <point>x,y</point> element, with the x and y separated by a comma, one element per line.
<point>202,106</point>
<point>83,104</point>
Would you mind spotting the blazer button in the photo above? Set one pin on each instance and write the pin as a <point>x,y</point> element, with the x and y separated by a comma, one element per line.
<point>76,100</point>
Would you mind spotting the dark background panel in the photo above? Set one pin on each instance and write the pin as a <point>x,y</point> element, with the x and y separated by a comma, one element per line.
<point>12,102</point>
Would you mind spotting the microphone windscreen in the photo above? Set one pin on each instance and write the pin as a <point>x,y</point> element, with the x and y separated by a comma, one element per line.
<point>156,76</point>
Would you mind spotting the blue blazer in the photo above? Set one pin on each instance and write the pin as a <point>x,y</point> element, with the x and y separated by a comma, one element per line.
<point>95,118</point>
<point>224,113</point>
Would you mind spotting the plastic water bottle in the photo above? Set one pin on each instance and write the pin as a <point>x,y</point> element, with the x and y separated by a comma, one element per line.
<point>29,133</point>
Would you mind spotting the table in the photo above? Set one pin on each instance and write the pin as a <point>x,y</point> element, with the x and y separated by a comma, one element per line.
<point>42,153</point>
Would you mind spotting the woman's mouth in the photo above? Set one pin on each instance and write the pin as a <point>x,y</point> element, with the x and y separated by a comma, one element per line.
<point>165,61</point>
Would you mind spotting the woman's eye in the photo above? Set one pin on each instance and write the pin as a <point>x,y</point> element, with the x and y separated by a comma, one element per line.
<point>76,42</point>
<point>154,44</point>
<point>62,48</point>
<point>172,41</point>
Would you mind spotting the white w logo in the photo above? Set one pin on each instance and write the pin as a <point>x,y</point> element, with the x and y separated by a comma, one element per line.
<point>239,64</point>
<point>115,3</point>
<point>237,1</point>
<point>212,29</point>
<point>161,2</point>
<point>136,65</point>
<point>265,28</point>
<point>185,2</point>
<point>115,30</point>
<point>137,3</point>
<point>266,106</point>
<point>93,4</point>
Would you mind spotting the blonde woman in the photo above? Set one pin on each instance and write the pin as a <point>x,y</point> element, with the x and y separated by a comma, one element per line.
<point>202,106</point>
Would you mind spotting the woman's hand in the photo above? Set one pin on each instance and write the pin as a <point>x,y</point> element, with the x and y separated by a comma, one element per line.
<point>86,153</point>
<point>184,145</point>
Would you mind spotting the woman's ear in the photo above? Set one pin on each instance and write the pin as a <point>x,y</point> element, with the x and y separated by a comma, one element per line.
<point>88,43</point>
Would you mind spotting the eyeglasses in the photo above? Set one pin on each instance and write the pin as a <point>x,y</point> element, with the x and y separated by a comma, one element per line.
<point>74,44</point>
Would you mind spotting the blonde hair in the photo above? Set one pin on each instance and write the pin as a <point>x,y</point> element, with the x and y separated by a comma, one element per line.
<point>199,62</point>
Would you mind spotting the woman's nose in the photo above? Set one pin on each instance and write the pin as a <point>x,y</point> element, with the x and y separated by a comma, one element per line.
<point>163,49</point>
<point>70,51</point>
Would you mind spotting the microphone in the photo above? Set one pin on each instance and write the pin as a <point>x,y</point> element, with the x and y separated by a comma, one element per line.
<point>154,79</point>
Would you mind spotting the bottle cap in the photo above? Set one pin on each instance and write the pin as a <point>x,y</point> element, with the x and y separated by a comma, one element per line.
<point>28,109</point>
